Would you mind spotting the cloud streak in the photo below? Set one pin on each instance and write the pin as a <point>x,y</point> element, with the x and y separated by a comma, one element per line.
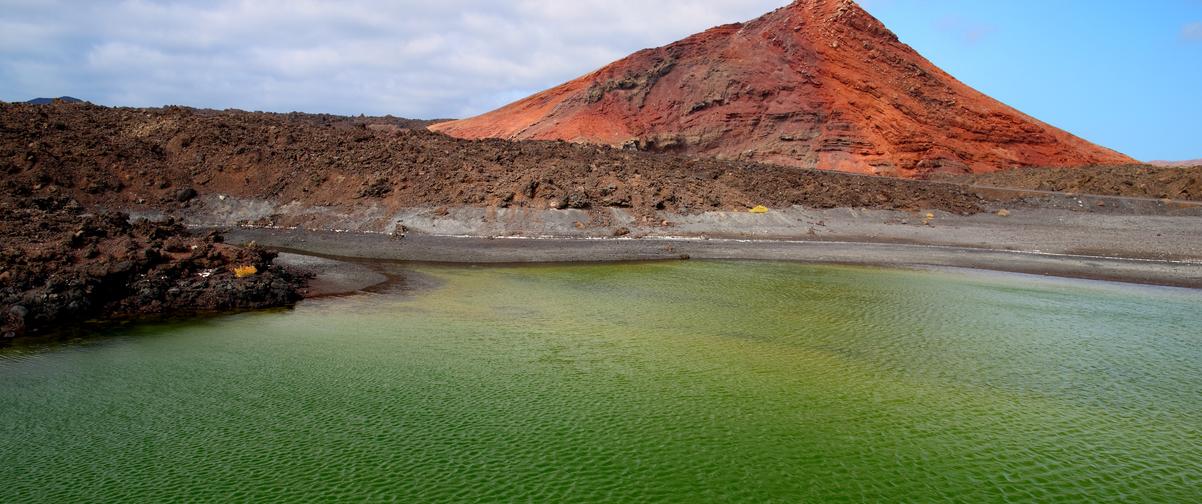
<point>968,31</point>
<point>1192,32</point>
<point>450,58</point>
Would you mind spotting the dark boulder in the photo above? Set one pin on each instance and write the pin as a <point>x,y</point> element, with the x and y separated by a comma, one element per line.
<point>185,194</point>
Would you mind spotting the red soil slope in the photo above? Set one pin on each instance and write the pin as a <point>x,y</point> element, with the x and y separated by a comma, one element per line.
<point>820,83</point>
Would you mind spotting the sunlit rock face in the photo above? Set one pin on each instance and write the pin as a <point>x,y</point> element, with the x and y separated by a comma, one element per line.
<point>820,83</point>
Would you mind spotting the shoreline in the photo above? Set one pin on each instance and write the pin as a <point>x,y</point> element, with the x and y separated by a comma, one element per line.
<point>346,262</point>
<point>1185,273</point>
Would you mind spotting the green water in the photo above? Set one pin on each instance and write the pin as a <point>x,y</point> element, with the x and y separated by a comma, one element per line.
<point>673,382</point>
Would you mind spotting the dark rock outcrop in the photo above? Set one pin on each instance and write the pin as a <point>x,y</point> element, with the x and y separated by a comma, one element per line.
<point>61,265</point>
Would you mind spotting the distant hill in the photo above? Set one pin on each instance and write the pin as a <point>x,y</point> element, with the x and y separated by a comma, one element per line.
<point>1191,162</point>
<point>47,101</point>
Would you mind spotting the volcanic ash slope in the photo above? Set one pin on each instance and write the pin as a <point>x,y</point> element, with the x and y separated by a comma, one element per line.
<point>820,83</point>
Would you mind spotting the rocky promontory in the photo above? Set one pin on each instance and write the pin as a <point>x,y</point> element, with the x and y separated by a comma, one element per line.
<point>61,265</point>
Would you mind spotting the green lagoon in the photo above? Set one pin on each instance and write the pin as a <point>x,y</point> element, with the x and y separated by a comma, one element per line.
<point>658,382</point>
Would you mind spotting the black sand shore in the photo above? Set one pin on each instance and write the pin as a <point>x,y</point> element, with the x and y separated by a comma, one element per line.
<point>446,249</point>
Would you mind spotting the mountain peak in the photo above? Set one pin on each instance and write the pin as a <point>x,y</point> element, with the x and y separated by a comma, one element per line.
<point>47,101</point>
<point>818,83</point>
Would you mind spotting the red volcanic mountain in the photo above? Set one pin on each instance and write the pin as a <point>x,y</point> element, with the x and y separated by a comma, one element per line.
<point>820,83</point>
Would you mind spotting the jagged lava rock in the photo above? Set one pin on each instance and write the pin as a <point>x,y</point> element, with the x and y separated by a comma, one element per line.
<point>820,83</point>
<point>1170,164</point>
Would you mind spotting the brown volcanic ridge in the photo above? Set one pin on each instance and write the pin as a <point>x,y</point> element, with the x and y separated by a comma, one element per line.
<point>1191,162</point>
<point>817,84</point>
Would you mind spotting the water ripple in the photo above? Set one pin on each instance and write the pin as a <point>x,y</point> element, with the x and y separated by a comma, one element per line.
<point>698,381</point>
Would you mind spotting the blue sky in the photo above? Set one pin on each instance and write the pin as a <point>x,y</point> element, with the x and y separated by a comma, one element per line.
<point>1124,74</point>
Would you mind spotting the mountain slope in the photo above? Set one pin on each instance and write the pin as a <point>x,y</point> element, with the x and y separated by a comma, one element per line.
<point>820,83</point>
<point>47,101</point>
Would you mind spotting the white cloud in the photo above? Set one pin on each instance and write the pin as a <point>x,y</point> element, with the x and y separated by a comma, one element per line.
<point>1192,31</point>
<point>411,58</point>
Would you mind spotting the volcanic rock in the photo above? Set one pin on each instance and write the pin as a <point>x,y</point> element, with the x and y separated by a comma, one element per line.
<point>138,159</point>
<point>1186,163</point>
<point>820,83</point>
<point>185,194</point>
<point>60,266</point>
<point>1131,181</point>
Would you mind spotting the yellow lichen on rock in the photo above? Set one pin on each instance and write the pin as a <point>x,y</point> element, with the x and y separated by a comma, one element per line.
<point>245,271</point>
